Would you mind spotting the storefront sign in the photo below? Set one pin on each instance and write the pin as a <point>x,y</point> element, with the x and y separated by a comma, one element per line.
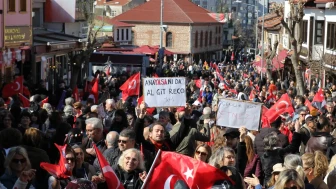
<point>57,47</point>
<point>17,35</point>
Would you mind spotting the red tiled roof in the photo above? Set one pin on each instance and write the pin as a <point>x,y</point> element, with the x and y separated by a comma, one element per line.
<point>113,2</point>
<point>113,22</point>
<point>174,11</point>
<point>271,21</point>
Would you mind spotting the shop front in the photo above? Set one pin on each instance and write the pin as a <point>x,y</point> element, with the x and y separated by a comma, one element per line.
<point>14,54</point>
<point>52,58</point>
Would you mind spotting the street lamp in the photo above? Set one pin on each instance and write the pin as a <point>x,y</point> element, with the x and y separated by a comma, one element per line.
<point>262,32</point>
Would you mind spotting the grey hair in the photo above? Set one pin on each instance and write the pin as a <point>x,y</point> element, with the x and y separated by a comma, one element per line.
<point>68,110</point>
<point>294,161</point>
<point>96,122</point>
<point>110,101</point>
<point>138,156</point>
<point>111,138</point>
<point>331,104</point>
<point>129,133</point>
<point>69,101</point>
<point>75,146</point>
<point>216,158</point>
<point>207,111</point>
<point>271,141</point>
<point>12,152</point>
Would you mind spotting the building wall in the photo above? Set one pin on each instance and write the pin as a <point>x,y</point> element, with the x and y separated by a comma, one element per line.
<point>17,18</point>
<point>149,34</point>
<point>73,29</point>
<point>1,26</point>
<point>330,16</point>
<point>207,48</point>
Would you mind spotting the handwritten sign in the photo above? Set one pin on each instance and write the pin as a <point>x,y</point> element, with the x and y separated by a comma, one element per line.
<point>164,91</point>
<point>17,34</point>
<point>234,113</point>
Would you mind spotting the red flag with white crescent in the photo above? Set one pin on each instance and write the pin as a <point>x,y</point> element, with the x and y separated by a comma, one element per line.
<point>177,168</point>
<point>131,86</point>
<point>111,178</point>
<point>283,105</point>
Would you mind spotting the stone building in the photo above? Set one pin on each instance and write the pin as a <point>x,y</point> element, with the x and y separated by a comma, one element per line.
<point>190,32</point>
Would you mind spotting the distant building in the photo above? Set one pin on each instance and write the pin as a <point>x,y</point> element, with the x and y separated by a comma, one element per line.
<point>210,5</point>
<point>190,32</point>
<point>15,37</point>
<point>112,8</point>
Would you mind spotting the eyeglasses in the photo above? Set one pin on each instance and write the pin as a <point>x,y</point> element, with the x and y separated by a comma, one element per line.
<point>305,169</point>
<point>202,153</point>
<point>122,141</point>
<point>293,187</point>
<point>229,157</point>
<point>70,159</point>
<point>303,114</point>
<point>19,160</point>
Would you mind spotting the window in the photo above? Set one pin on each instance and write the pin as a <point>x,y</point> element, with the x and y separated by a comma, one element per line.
<point>304,31</point>
<point>206,39</point>
<point>127,39</point>
<point>215,40</point>
<point>201,40</point>
<point>122,35</point>
<point>319,31</point>
<point>11,5</point>
<point>169,39</point>
<point>113,13</point>
<point>118,33</point>
<point>196,39</point>
<point>210,39</point>
<point>219,40</point>
<point>331,35</point>
<point>23,5</point>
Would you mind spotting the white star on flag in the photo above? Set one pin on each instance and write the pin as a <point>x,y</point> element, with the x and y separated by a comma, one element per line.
<point>188,173</point>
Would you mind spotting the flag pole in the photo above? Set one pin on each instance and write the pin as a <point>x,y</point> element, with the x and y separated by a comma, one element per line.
<point>151,169</point>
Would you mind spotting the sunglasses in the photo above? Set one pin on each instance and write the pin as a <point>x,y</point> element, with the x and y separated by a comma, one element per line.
<point>19,161</point>
<point>122,141</point>
<point>70,159</point>
<point>202,153</point>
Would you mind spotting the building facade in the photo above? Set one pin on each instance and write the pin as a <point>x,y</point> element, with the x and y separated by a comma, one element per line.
<point>190,36</point>
<point>15,38</point>
<point>112,8</point>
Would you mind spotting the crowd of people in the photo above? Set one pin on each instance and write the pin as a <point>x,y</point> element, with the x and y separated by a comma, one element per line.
<point>296,151</point>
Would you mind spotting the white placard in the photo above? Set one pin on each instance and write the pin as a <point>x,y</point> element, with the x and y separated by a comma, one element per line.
<point>164,91</point>
<point>234,113</point>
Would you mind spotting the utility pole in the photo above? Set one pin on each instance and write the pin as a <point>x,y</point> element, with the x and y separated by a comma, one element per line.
<point>262,42</point>
<point>161,38</point>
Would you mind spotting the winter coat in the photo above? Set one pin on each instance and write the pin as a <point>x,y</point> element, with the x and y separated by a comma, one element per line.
<point>254,167</point>
<point>130,180</point>
<point>259,143</point>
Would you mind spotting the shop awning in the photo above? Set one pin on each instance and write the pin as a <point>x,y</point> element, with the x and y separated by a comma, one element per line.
<point>145,49</point>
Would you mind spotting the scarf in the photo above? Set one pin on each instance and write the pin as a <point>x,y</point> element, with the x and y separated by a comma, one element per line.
<point>159,145</point>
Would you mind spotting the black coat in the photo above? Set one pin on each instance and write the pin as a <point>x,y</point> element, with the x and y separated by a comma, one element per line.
<point>272,157</point>
<point>130,180</point>
<point>259,143</point>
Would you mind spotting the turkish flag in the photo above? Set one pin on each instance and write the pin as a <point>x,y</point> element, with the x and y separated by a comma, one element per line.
<point>60,170</point>
<point>44,101</point>
<point>319,96</point>
<point>198,83</point>
<point>264,119</point>
<point>283,105</point>
<point>155,75</point>
<point>13,88</point>
<point>95,90</point>
<point>108,70</point>
<point>271,97</point>
<point>131,86</point>
<point>25,91</point>
<point>232,56</point>
<point>111,178</point>
<point>75,94</point>
<point>172,168</point>
<point>24,100</point>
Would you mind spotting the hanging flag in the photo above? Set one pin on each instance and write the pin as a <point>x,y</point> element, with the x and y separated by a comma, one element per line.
<point>111,178</point>
<point>75,94</point>
<point>283,105</point>
<point>319,96</point>
<point>95,90</point>
<point>252,94</point>
<point>131,86</point>
<point>24,100</point>
<point>264,119</point>
<point>13,88</point>
<point>140,100</point>
<point>198,83</point>
<point>60,103</point>
<point>174,167</point>
<point>44,101</point>
<point>59,170</point>
<point>25,91</point>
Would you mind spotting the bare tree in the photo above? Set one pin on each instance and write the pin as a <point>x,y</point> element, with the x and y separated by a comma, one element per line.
<point>270,57</point>
<point>86,10</point>
<point>294,29</point>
